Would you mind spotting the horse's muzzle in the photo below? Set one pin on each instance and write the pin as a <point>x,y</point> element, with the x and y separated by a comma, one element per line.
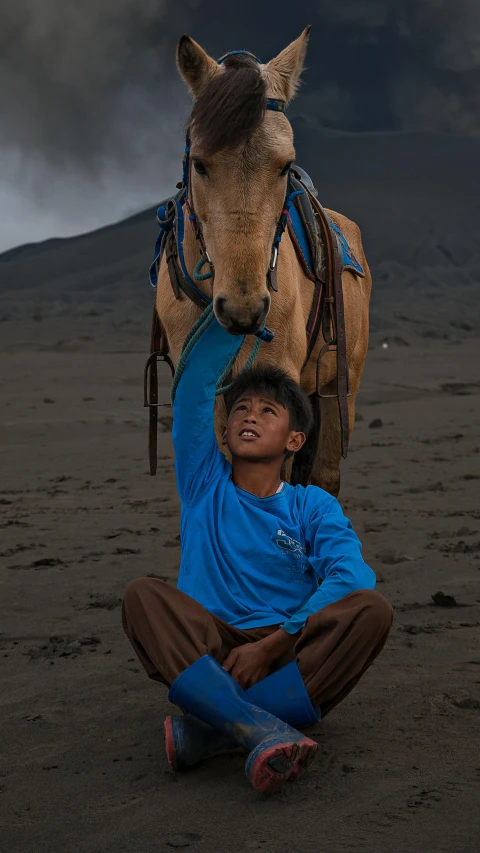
<point>238,319</point>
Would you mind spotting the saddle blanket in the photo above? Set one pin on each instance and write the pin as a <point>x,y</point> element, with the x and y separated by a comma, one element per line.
<point>346,254</point>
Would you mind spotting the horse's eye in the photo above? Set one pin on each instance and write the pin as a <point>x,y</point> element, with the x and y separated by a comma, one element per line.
<point>285,169</point>
<point>199,167</point>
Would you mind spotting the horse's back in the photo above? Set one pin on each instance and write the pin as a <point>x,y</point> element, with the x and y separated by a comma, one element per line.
<point>353,236</point>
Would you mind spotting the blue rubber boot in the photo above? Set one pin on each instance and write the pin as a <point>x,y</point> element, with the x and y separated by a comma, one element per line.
<point>188,741</point>
<point>283,694</point>
<point>277,751</point>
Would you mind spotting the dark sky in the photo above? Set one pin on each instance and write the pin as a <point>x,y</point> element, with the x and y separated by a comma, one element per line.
<point>91,107</point>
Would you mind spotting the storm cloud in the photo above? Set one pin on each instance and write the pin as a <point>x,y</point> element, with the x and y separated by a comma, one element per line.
<point>78,78</point>
<point>91,107</point>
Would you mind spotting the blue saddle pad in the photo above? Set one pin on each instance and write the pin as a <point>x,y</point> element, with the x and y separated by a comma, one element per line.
<point>349,260</point>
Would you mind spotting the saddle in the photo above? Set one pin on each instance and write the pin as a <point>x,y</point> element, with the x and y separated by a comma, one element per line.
<point>323,253</point>
<point>308,237</point>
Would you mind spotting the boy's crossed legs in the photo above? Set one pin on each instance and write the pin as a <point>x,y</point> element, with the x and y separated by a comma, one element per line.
<point>169,631</point>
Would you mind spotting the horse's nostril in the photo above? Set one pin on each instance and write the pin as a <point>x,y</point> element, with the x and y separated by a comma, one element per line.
<point>238,319</point>
<point>220,306</point>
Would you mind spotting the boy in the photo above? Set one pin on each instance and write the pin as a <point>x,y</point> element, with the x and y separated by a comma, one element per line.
<point>249,644</point>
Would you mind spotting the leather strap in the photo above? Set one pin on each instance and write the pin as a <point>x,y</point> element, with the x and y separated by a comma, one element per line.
<point>272,279</point>
<point>159,347</point>
<point>159,350</point>
<point>334,321</point>
<point>177,278</point>
<point>314,320</point>
<point>313,231</point>
<point>298,249</point>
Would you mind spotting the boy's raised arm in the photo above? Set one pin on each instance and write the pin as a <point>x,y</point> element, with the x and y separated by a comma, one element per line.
<point>194,442</point>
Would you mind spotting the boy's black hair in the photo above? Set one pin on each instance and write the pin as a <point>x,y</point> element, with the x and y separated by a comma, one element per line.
<point>273,382</point>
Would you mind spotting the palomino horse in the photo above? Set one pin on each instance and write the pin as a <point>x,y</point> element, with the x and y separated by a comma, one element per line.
<point>239,160</point>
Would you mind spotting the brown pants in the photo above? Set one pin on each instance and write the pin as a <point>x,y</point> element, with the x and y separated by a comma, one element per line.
<point>169,631</point>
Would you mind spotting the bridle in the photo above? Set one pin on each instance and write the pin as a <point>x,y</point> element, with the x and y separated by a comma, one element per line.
<point>184,200</point>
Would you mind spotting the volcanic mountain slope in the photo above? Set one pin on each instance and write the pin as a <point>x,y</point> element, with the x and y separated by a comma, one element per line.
<point>413,195</point>
<point>417,205</point>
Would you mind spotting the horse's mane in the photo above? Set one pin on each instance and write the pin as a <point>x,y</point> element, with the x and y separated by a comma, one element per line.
<point>231,106</point>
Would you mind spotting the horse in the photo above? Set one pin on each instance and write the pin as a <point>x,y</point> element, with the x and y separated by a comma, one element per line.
<point>240,154</point>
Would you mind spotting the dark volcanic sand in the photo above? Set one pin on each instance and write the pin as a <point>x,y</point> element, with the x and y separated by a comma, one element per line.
<point>398,767</point>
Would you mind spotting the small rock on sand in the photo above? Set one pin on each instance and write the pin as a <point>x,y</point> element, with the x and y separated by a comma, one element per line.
<point>442,600</point>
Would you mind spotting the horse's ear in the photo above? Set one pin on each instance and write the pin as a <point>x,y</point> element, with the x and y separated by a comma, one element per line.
<point>283,72</point>
<point>195,66</point>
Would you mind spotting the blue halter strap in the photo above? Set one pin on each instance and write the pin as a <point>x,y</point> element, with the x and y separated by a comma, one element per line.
<point>275,104</point>
<point>239,53</point>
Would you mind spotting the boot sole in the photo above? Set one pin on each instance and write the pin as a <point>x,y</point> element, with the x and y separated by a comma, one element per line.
<point>170,748</point>
<point>294,757</point>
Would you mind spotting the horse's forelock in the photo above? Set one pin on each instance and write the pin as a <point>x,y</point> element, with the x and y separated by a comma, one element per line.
<point>231,106</point>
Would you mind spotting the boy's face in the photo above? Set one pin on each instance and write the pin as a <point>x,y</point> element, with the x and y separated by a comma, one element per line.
<point>258,428</point>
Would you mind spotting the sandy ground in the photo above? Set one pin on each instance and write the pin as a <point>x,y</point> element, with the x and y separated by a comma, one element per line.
<point>84,769</point>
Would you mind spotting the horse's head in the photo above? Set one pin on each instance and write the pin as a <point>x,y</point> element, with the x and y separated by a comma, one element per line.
<point>240,154</point>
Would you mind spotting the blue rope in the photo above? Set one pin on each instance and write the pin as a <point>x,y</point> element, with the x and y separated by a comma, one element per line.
<point>197,330</point>
<point>251,358</point>
<point>199,276</point>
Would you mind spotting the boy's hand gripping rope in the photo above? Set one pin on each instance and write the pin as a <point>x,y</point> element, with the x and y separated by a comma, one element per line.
<point>193,336</point>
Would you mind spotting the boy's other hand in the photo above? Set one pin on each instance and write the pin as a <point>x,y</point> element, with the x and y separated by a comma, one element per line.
<point>248,664</point>
<point>251,662</point>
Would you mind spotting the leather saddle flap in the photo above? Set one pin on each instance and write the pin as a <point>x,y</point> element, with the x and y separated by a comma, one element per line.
<point>309,240</point>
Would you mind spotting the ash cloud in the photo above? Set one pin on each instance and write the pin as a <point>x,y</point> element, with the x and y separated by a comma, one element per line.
<point>77,78</point>
<point>84,81</point>
<point>90,98</point>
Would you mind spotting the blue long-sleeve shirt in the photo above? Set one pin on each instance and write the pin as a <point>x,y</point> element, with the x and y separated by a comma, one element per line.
<point>252,561</point>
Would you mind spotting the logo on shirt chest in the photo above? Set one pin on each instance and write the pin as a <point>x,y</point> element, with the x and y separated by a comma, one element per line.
<point>286,543</point>
<point>295,553</point>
